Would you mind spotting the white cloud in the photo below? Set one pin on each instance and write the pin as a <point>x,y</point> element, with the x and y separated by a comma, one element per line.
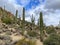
<point>51,16</point>
<point>11,6</point>
<point>50,9</point>
<point>52,4</point>
<point>24,2</point>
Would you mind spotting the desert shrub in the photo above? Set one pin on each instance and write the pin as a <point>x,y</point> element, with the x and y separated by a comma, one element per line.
<point>53,39</point>
<point>32,34</point>
<point>7,20</point>
<point>50,30</point>
<point>25,42</point>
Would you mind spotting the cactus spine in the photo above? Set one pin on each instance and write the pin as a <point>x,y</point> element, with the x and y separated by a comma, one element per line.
<point>41,26</point>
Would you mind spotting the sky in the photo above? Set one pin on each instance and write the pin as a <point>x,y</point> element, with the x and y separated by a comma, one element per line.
<point>49,8</point>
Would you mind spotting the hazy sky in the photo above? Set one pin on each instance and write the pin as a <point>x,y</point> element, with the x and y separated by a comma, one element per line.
<point>50,9</point>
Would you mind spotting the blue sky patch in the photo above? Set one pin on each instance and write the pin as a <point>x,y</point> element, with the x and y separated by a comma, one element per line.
<point>31,4</point>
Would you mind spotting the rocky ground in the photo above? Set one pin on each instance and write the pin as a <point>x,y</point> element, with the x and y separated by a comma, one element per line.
<point>11,34</point>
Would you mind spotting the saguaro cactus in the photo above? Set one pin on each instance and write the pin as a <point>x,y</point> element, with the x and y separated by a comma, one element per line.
<point>41,21</point>
<point>23,18</point>
<point>16,13</point>
<point>41,26</point>
<point>16,16</point>
<point>33,20</point>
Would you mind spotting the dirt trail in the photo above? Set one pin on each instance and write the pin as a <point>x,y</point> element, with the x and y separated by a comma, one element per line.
<point>38,42</point>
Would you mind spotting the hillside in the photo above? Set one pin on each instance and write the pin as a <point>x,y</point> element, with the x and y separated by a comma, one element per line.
<point>13,29</point>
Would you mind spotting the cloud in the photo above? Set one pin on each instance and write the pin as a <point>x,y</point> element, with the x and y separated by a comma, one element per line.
<point>52,19</point>
<point>11,6</point>
<point>52,4</point>
<point>51,12</point>
<point>23,2</point>
<point>50,9</point>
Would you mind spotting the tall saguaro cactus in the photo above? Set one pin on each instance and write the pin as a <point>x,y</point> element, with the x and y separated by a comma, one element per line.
<point>16,13</point>
<point>33,20</point>
<point>16,16</point>
<point>23,18</point>
<point>41,26</point>
<point>41,21</point>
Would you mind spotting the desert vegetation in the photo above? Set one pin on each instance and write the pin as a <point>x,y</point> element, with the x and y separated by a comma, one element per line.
<point>14,31</point>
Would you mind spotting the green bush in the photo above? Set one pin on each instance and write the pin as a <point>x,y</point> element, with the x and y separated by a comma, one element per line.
<point>7,20</point>
<point>50,30</point>
<point>32,34</point>
<point>24,42</point>
<point>52,40</point>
